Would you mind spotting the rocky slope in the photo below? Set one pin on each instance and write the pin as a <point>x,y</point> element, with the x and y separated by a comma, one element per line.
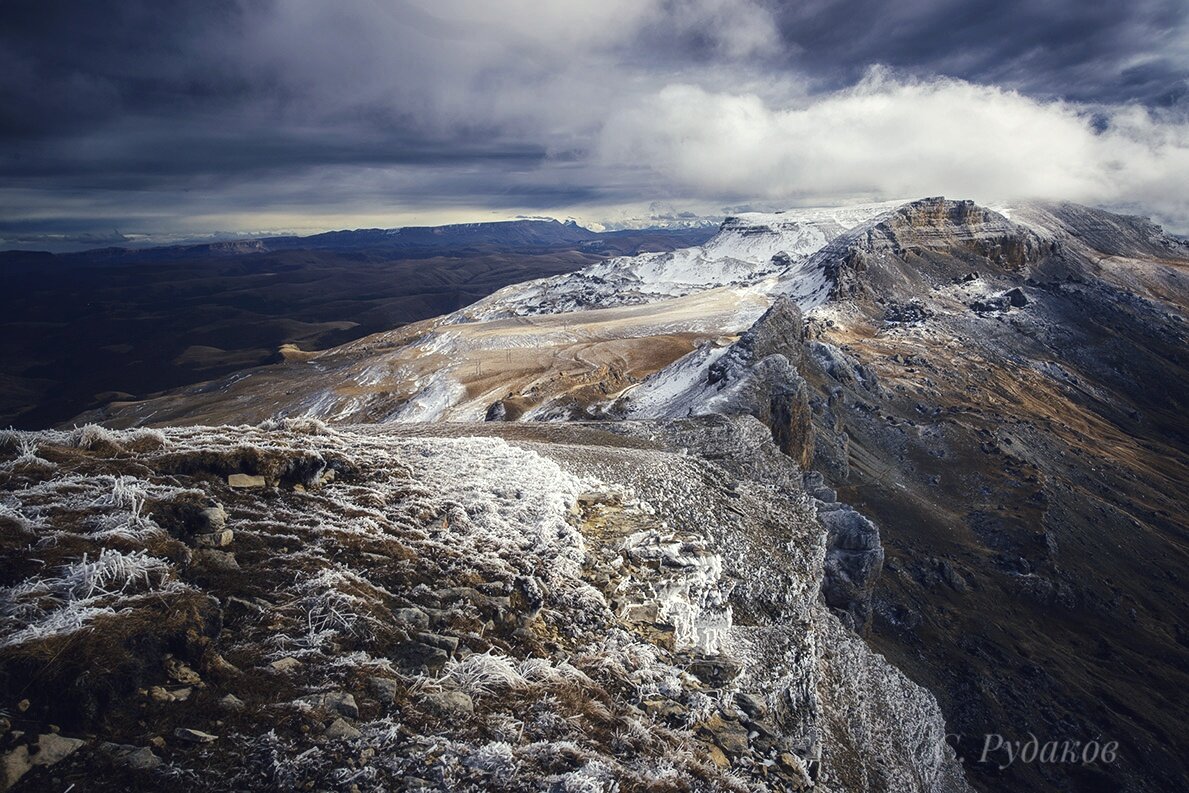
<point>295,607</point>
<point>541,349</point>
<point>1006,402</point>
<point>988,407</point>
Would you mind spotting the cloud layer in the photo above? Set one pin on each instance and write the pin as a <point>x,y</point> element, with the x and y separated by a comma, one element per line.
<point>247,114</point>
<point>888,136</point>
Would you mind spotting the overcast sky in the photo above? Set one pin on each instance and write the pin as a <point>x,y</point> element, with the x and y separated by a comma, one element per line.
<point>181,117</point>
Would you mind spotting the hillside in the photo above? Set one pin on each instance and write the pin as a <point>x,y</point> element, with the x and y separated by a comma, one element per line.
<point>987,405</point>
<point>84,328</point>
<point>299,607</point>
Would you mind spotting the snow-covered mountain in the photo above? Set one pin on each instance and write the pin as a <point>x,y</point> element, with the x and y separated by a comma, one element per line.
<point>550,347</point>
<point>750,250</point>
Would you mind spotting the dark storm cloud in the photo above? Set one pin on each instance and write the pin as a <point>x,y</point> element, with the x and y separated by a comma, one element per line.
<point>142,113</point>
<point>1084,51</point>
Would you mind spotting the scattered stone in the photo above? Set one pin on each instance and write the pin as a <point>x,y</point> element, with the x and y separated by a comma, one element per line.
<point>795,767</point>
<point>287,664</point>
<point>730,736</point>
<point>449,704</point>
<point>717,757</point>
<point>909,313</point>
<point>447,643</point>
<point>752,705</point>
<point>216,664</point>
<point>141,759</point>
<point>53,748</point>
<point>337,701</point>
<point>245,481</point>
<point>189,735</point>
<point>991,304</point>
<point>216,560</point>
<point>214,518</point>
<point>664,709</point>
<point>1016,297</point>
<point>161,694</point>
<point>182,673</point>
<point>385,689</point>
<point>641,613</point>
<point>23,705</point>
<point>232,702</point>
<point>341,730</point>
<point>714,671</point>
<point>417,654</point>
<point>450,594</point>
<point>415,618</point>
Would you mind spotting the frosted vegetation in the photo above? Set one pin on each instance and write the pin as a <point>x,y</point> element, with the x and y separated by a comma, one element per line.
<point>507,615</point>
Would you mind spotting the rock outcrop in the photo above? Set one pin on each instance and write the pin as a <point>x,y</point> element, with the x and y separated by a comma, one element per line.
<point>759,376</point>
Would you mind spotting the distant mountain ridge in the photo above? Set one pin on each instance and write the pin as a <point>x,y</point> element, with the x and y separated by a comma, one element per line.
<point>403,242</point>
<point>92,326</point>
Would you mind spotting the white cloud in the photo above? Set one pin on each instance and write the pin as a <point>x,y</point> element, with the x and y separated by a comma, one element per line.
<point>889,137</point>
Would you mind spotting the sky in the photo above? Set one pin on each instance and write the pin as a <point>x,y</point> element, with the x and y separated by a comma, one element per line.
<point>125,120</point>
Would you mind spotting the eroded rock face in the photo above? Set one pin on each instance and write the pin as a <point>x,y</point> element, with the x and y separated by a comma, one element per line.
<point>1004,457</point>
<point>922,244</point>
<point>854,558</point>
<point>759,376</point>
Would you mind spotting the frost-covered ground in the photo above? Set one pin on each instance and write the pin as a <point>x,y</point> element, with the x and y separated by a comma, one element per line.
<point>290,606</point>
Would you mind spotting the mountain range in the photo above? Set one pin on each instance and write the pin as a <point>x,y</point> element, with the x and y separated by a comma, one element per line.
<point>827,499</point>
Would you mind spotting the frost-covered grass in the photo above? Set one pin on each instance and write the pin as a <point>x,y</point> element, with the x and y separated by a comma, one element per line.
<point>463,573</point>
<point>68,599</point>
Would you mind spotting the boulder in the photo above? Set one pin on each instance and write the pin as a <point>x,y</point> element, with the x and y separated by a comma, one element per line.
<point>854,559</point>
<point>727,734</point>
<point>413,617</point>
<point>715,672</point>
<point>232,702</point>
<point>284,665</point>
<point>385,689</point>
<point>339,702</point>
<point>1016,297</point>
<point>216,539</point>
<point>141,759</point>
<point>16,765</point>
